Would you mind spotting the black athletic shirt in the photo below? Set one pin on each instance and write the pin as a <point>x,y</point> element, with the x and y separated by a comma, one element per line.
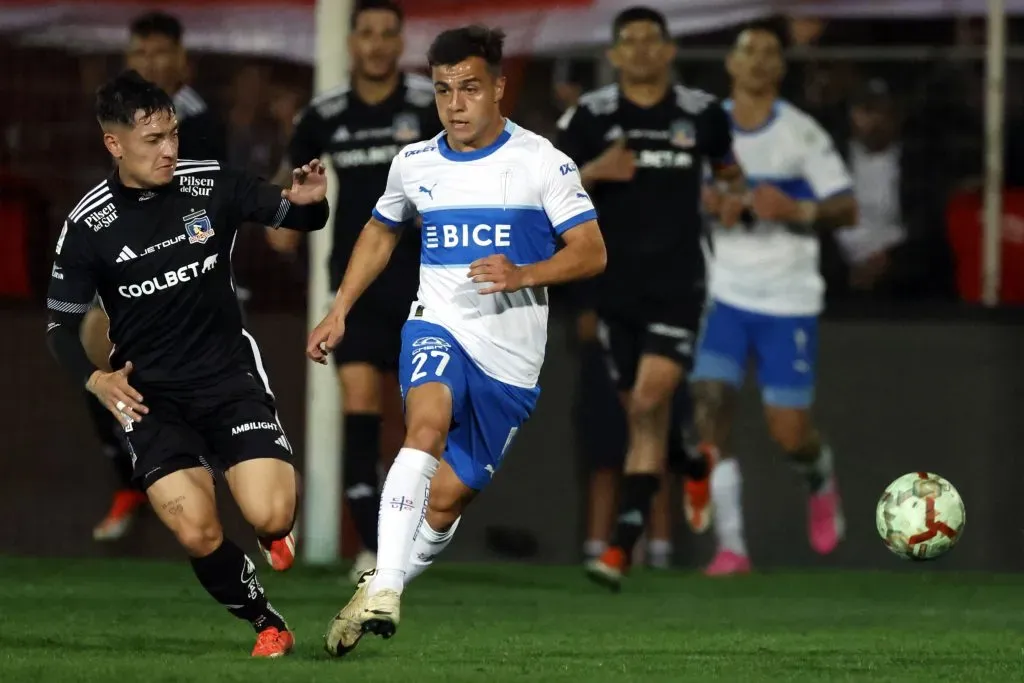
<point>652,225</point>
<point>200,134</point>
<point>361,140</point>
<point>160,261</point>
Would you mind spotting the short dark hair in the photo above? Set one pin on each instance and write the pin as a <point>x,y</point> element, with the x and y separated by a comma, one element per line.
<point>776,26</point>
<point>367,5</point>
<point>639,13</point>
<point>459,44</point>
<point>157,24</point>
<point>122,97</point>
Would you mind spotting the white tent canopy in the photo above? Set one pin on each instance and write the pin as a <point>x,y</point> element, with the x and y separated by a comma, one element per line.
<point>285,28</point>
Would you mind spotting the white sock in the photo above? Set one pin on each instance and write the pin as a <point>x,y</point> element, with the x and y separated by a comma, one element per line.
<point>402,504</point>
<point>593,548</point>
<point>726,489</point>
<point>426,547</point>
<point>659,553</point>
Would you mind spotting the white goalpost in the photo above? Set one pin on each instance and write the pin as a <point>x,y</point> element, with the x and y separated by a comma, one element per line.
<point>995,99</point>
<point>320,533</point>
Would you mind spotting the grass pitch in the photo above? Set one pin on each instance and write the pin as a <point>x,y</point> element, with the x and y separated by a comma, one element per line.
<point>126,621</point>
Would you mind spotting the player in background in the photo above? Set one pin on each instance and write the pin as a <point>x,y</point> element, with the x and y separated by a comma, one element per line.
<point>183,384</point>
<point>156,52</point>
<point>642,145</point>
<point>494,199</point>
<point>767,292</point>
<point>361,127</point>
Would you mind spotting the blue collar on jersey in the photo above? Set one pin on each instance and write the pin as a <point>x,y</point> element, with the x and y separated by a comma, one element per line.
<point>727,105</point>
<point>451,155</point>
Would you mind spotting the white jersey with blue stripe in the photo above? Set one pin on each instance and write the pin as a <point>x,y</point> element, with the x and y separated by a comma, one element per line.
<point>513,197</point>
<point>767,268</point>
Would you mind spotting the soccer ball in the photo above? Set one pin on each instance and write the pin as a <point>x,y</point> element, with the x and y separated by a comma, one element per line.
<point>920,516</point>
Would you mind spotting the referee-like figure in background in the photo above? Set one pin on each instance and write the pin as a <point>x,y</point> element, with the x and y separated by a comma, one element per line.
<point>642,145</point>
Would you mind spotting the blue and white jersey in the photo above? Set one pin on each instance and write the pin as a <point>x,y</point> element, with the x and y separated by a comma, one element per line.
<point>513,197</point>
<point>768,269</point>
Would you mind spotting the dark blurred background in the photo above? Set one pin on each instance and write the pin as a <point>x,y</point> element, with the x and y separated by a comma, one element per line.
<point>915,373</point>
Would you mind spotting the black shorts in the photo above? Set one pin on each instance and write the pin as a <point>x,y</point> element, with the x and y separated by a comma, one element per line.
<point>671,333</point>
<point>216,428</point>
<point>373,337</point>
<point>600,420</point>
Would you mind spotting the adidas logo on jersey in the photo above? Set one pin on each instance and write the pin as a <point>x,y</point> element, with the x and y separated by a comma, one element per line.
<point>283,443</point>
<point>125,255</point>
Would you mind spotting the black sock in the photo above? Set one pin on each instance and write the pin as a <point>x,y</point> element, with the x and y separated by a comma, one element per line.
<point>106,428</point>
<point>637,492</point>
<point>362,453</point>
<point>814,462</point>
<point>230,577</point>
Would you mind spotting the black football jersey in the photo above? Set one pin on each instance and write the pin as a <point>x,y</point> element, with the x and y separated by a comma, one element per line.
<point>201,135</point>
<point>652,224</point>
<point>361,140</point>
<point>159,261</point>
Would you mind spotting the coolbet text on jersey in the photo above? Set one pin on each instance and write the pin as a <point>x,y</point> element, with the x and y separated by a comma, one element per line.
<point>513,197</point>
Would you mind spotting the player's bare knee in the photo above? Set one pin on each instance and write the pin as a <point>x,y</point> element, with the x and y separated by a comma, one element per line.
<point>442,511</point>
<point>791,429</point>
<point>426,437</point>
<point>648,407</point>
<point>199,538</point>
<point>361,392</point>
<point>274,519</point>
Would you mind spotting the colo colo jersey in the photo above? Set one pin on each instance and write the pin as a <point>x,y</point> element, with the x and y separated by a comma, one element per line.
<point>200,134</point>
<point>652,225</point>
<point>160,261</point>
<point>361,140</point>
<point>513,197</point>
<point>768,268</point>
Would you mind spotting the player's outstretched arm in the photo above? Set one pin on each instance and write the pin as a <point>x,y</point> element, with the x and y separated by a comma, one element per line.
<point>283,241</point>
<point>301,206</point>
<point>370,256</point>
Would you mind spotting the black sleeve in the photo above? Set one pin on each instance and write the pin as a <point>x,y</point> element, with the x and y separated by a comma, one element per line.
<point>307,138</point>
<point>202,137</point>
<point>578,136</point>
<point>261,202</point>
<point>714,134</point>
<point>69,297</point>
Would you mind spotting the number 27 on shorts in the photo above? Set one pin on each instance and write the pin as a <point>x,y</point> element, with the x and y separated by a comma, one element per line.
<point>438,359</point>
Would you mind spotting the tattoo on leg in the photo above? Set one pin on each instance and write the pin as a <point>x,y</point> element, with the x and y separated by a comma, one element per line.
<point>174,507</point>
<point>713,412</point>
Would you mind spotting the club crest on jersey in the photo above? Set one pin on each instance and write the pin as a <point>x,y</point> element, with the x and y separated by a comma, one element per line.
<point>406,128</point>
<point>683,134</point>
<point>198,227</point>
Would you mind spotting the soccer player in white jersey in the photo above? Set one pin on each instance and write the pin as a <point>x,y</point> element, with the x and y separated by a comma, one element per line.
<point>494,199</point>
<point>767,293</point>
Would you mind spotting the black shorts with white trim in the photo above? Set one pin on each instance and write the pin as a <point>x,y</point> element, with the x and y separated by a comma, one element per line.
<point>670,333</point>
<point>214,427</point>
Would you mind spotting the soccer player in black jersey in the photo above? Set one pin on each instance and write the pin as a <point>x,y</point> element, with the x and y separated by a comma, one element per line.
<point>642,145</point>
<point>361,127</point>
<point>153,240</point>
<point>156,52</point>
